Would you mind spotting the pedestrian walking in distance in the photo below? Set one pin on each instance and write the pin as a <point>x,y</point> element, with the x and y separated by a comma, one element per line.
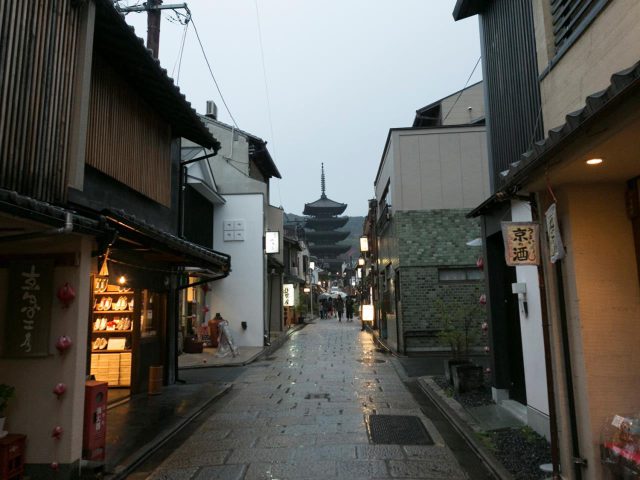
<point>340,308</point>
<point>349,309</point>
<point>321,309</point>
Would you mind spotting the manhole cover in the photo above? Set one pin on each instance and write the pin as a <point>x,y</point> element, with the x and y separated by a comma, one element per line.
<point>321,396</point>
<point>371,360</point>
<point>397,430</point>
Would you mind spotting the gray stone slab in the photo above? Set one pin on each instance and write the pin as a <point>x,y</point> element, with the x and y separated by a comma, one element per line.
<point>249,455</point>
<point>427,469</point>
<point>224,472</point>
<point>362,469</point>
<point>324,452</point>
<point>380,452</point>
<point>298,471</point>
<point>174,474</point>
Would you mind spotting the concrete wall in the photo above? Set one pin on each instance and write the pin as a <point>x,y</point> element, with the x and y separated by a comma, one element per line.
<point>603,302</point>
<point>466,109</point>
<point>532,338</point>
<point>240,296</point>
<point>441,168</point>
<point>610,44</point>
<point>35,410</point>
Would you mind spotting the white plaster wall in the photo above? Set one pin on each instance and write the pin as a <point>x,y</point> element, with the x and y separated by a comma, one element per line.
<point>386,171</point>
<point>35,410</point>
<point>466,109</point>
<point>531,326</point>
<point>240,296</point>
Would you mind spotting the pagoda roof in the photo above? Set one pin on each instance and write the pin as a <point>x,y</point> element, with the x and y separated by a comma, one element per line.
<point>327,237</point>
<point>330,251</point>
<point>324,205</point>
<point>327,223</point>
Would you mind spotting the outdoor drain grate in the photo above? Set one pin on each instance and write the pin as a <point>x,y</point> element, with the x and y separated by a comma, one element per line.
<point>397,430</point>
<point>319,396</point>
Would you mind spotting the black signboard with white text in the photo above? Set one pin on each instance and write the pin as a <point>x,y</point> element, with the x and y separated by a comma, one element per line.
<point>28,320</point>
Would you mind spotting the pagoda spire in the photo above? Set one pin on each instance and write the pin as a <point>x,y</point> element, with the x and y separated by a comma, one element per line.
<point>322,182</point>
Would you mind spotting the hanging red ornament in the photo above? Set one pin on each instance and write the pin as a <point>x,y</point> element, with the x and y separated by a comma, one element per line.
<point>66,294</point>
<point>480,263</point>
<point>205,309</point>
<point>487,370</point>
<point>55,466</point>
<point>205,288</point>
<point>64,343</point>
<point>483,299</point>
<point>59,389</point>
<point>487,349</point>
<point>57,432</point>
<point>484,326</point>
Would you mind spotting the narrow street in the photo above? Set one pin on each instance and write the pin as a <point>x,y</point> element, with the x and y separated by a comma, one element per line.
<point>303,413</point>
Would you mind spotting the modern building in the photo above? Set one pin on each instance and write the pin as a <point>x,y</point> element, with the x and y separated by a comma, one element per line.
<point>228,199</point>
<point>322,231</point>
<point>430,176</point>
<point>580,182</point>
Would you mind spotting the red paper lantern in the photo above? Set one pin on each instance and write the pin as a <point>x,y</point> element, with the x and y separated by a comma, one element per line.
<point>205,309</point>
<point>487,349</point>
<point>57,432</point>
<point>484,326</point>
<point>66,294</point>
<point>59,389</point>
<point>480,263</point>
<point>483,299</point>
<point>55,466</point>
<point>63,344</point>
<point>205,288</point>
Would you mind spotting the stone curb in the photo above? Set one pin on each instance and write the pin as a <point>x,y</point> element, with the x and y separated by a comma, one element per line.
<point>464,424</point>
<point>150,448</point>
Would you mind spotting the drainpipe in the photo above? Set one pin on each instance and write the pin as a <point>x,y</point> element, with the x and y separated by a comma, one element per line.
<point>67,228</point>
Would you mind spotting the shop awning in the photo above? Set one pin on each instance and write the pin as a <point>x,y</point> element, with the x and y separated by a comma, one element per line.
<point>145,245</point>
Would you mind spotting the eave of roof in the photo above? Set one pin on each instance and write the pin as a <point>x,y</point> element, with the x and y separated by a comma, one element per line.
<point>468,8</point>
<point>126,52</point>
<point>622,84</point>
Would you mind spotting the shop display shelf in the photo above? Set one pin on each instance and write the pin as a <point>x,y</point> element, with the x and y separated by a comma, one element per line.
<point>113,293</point>
<point>112,331</point>
<point>110,351</point>
<point>97,312</point>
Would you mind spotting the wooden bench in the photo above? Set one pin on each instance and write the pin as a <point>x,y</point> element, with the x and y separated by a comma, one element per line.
<point>429,332</point>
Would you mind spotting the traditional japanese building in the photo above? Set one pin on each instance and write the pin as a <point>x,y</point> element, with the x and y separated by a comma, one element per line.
<point>322,232</point>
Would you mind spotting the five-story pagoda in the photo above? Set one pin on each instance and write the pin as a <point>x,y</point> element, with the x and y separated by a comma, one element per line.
<point>322,229</point>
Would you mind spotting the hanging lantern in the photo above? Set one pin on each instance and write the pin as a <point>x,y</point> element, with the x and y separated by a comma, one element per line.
<point>483,299</point>
<point>57,432</point>
<point>59,389</point>
<point>480,263</point>
<point>205,309</point>
<point>66,294</point>
<point>487,349</point>
<point>63,344</point>
<point>487,370</point>
<point>205,287</point>
<point>484,326</point>
<point>55,466</point>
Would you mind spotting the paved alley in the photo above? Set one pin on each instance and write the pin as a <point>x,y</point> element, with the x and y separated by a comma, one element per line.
<point>304,412</point>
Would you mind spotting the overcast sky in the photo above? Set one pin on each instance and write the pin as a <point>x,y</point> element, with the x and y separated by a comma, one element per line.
<point>339,73</point>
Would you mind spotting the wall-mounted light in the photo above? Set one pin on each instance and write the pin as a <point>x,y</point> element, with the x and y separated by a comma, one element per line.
<point>122,280</point>
<point>312,265</point>
<point>360,262</point>
<point>364,244</point>
<point>306,290</point>
<point>594,161</point>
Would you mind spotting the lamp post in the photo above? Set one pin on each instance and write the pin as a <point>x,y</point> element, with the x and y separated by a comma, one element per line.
<point>309,290</point>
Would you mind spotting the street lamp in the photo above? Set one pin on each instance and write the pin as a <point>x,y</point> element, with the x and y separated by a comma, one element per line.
<point>364,244</point>
<point>361,262</point>
<point>309,290</point>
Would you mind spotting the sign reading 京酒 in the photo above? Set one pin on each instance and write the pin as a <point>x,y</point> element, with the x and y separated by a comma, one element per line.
<point>288,299</point>
<point>521,243</point>
<point>28,321</point>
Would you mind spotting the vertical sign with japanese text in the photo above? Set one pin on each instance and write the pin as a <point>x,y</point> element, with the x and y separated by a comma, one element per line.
<point>288,299</point>
<point>556,247</point>
<point>521,243</point>
<point>28,321</point>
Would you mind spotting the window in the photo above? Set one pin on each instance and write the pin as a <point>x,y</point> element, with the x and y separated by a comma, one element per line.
<point>571,17</point>
<point>466,274</point>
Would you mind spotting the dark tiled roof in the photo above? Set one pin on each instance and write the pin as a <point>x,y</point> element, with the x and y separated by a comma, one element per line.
<point>468,8</point>
<point>168,241</point>
<point>622,84</point>
<point>126,52</point>
<point>325,204</point>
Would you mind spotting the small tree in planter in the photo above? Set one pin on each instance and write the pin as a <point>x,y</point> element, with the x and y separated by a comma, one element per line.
<point>460,332</point>
<point>6,392</point>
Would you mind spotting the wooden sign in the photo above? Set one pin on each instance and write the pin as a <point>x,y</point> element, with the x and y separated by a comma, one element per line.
<point>28,321</point>
<point>521,243</point>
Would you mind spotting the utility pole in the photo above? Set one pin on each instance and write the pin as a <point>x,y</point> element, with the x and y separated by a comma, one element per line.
<point>153,9</point>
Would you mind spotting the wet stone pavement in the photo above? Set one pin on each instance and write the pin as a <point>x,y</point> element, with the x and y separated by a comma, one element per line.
<point>303,414</point>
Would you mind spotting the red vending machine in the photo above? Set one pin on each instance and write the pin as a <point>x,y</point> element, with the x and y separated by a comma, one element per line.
<point>95,420</point>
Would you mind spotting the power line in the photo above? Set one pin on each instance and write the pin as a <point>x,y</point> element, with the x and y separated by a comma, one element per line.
<point>178,61</point>
<point>465,86</point>
<point>212,75</point>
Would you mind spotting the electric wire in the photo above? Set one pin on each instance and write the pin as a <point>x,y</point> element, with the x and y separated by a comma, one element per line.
<point>178,61</point>
<point>465,86</point>
<point>195,29</point>
<point>266,89</point>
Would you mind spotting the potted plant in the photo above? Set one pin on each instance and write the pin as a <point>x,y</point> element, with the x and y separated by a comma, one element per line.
<point>460,332</point>
<point>6,392</point>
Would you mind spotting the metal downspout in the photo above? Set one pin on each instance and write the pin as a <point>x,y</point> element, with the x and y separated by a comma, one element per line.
<point>67,228</point>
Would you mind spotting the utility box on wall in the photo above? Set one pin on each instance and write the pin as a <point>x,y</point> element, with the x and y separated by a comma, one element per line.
<point>95,420</point>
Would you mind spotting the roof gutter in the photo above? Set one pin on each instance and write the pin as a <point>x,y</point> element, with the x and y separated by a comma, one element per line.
<point>65,229</point>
